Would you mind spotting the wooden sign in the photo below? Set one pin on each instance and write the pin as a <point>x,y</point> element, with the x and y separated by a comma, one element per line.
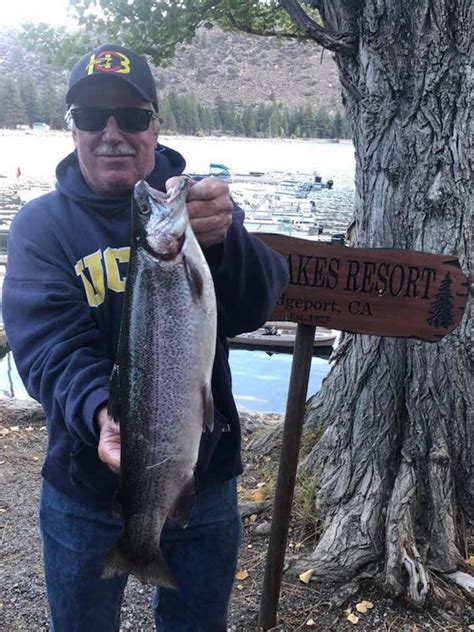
<point>384,292</point>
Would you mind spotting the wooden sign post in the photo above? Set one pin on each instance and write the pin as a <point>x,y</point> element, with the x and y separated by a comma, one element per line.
<point>383,292</point>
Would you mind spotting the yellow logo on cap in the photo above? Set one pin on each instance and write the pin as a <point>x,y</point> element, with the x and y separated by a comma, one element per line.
<point>109,61</point>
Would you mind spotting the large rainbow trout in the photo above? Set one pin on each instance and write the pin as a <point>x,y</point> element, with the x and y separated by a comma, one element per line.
<point>160,390</point>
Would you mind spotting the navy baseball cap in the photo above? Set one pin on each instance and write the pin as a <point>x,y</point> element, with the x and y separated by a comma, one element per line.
<point>113,61</point>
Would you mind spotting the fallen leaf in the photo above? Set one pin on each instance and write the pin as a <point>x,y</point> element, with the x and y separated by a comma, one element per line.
<point>241,575</point>
<point>250,546</point>
<point>4,432</point>
<point>261,485</point>
<point>15,428</point>
<point>311,623</point>
<point>471,627</point>
<point>253,519</point>
<point>352,618</point>
<point>239,587</point>
<point>306,576</point>
<point>257,496</point>
<point>363,606</point>
<point>470,561</point>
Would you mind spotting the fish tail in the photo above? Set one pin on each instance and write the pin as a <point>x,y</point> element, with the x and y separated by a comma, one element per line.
<point>153,571</point>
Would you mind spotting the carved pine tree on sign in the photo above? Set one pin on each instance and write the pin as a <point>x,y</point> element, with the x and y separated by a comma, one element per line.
<point>441,311</point>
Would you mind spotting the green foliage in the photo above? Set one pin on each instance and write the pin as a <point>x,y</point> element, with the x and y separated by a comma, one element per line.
<point>29,96</point>
<point>154,27</point>
<point>58,46</point>
<point>23,101</point>
<point>12,109</point>
<point>303,510</point>
<point>183,115</point>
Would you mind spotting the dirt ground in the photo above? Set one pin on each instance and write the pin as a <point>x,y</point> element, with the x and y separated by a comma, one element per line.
<point>302,607</point>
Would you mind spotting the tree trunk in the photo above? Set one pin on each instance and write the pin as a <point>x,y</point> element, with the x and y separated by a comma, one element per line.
<point>394,464</point>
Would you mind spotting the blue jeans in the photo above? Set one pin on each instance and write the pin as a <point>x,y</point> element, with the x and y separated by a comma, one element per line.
<point>202,558</point>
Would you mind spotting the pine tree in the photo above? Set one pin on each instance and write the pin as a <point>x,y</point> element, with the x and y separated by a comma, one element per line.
<point>57,107</point>
<point>29,96</point>
<point>441,310</point>
<point>206,119</point>
<point>12,109</point>
<point>249,121</point>
<point>322,123</point>
<point>274,121</point>
<point>166,113</point>
<point>225,110</point>
<point>175,107</point>
<point>337,125</point>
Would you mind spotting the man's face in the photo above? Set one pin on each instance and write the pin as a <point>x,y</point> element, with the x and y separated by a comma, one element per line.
<point>112,161</point>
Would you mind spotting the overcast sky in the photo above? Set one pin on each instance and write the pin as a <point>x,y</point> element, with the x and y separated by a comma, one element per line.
<point>16,12</point>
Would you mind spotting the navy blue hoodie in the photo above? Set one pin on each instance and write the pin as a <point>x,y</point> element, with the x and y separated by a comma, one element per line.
<point>62,302</point>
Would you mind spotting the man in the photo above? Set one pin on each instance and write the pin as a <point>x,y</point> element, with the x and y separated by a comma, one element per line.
<point>62,300</point>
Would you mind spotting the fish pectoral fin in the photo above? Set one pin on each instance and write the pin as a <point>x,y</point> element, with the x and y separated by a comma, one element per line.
<point>207,408</point>
<point>194,277</point>
<point>183,505</point>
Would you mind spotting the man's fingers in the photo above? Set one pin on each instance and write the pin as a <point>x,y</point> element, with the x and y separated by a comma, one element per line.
<point>207,224</point>
<point>208,189</point>
<point>175,181</point>
<point>109,445</point>
<point>209,207</point>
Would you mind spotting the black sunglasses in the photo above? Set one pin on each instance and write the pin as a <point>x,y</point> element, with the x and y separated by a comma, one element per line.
<point>95,119</point>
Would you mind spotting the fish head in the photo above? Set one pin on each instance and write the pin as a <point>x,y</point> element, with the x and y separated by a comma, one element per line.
<point>160,219</point>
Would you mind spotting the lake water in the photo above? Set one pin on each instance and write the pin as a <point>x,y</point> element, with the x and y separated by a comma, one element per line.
<point>260,380</point>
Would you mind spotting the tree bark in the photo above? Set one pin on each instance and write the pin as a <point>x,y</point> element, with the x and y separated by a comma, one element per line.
<point>394,464</point>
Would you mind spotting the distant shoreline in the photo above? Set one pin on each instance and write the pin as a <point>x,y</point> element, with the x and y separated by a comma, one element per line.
<point>67,133</point>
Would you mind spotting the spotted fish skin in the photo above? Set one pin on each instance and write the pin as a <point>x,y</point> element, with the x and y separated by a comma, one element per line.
<point>160,390</point>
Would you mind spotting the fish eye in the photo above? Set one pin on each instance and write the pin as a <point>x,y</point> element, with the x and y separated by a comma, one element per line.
<point>144,209</point>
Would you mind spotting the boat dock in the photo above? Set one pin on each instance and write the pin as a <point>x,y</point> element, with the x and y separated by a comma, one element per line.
<point>279,337</point>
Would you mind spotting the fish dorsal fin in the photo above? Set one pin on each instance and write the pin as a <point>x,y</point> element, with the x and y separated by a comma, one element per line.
<point>207,408</point>
<point>184,503</point>
<point>194,278</point>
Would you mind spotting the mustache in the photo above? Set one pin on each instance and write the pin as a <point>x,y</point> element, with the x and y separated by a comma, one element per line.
<point>122,149</point>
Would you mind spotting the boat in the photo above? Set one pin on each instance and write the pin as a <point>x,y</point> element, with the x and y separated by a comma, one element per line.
<point>292,183</point>
<point>279,336</point>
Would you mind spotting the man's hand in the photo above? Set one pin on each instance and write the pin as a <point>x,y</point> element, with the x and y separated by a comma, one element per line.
<point>210,209</point>
<point>109,440</point>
